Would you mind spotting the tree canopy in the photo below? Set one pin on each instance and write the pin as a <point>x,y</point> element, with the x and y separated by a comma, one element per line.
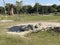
<point>37,8</point>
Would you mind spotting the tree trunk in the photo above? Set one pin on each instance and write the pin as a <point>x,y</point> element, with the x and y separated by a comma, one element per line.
<point>11,11</point>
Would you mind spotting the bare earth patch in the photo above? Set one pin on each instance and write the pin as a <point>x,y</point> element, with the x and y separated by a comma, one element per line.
<point>6,21</point>
<point>43,25</point>
<point>22,34</point>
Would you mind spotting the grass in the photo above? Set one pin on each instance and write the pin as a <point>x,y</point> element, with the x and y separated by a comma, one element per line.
<point>26,18</point>
<point>39,38</point>
<point>44,38</point>
<point>11,40</point>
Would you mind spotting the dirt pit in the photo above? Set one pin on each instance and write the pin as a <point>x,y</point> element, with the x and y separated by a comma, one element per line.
<point>6,21</point>
<point>42,25</point>
<point>22,34</point>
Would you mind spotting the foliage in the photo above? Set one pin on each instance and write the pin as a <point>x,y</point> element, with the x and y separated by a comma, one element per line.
<point>37,8</point>
<point>1,10</point>
<point>18,6</point>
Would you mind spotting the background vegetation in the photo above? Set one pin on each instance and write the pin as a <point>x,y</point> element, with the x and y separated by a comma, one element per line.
<point>28,9</point>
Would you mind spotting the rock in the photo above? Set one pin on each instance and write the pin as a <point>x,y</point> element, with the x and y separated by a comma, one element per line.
<point>14,29</point>
<point>21,28</point>
<point>24,28</point>
<point>36,26</point>
<point>56,29</point>
<point>30,27</point>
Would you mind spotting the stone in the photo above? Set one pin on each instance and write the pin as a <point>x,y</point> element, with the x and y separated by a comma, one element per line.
<point>14,29</point>
<point>36,26</point>
<point>23,28</point>
<point>30,27</point>
<point>56,29</point>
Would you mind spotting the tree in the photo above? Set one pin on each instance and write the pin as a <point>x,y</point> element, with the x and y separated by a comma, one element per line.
<point>58,8</point>
<point>36,7</point>
<point>1,10</point>
<point>54,8</point>
<point>18,6</point>
<point>27,9</point>
<point>4,5</point>
<point>8,8</point>
<point>11,9</point>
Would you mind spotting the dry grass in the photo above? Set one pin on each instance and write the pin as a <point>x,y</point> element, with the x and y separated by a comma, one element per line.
<point>39,38</point>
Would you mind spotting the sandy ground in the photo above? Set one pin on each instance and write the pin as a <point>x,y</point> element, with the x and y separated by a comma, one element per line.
<point>21,34</point>
<point>42,25</point>
<point>2,21</point>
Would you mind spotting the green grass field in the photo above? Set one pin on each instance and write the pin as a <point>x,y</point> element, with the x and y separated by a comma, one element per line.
<point>39,38</point>
<point>31,18</point>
